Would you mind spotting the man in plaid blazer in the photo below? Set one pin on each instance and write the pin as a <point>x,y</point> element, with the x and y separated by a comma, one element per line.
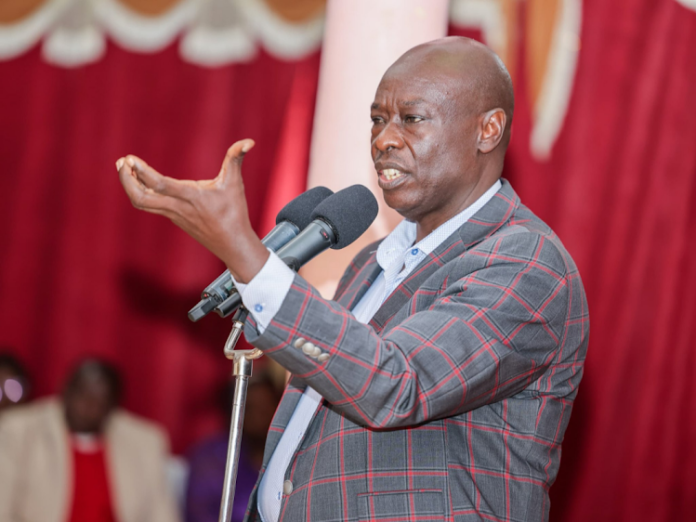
<point>452,401</point>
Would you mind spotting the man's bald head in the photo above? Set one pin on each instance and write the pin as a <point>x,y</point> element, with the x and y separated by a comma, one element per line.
<point>479,79</point>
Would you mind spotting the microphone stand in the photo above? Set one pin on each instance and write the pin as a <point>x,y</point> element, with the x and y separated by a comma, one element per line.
<point>241,369</point>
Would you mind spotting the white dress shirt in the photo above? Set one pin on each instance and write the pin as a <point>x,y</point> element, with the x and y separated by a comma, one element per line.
<point>263,296</point>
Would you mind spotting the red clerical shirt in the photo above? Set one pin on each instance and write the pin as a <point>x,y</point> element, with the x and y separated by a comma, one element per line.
<point>91,500</point>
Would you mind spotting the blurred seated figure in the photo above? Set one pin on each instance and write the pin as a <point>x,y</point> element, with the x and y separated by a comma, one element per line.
<point>207,459</point>
<point>14,381</point>
<point>80,458</point>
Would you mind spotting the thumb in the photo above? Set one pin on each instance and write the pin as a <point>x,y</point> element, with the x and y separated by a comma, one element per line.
<point>232,164</point>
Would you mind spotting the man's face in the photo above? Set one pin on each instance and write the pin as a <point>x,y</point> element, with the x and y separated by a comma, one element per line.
<point>424,143</point>
<point>88,405</point>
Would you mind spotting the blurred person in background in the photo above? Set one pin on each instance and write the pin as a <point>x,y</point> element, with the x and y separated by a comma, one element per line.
<point>207,459</point>
<point>79,458</point>
<point>14,381</point>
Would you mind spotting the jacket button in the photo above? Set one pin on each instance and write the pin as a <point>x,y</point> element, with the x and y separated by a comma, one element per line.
<point>299,342</point>
<point>308,349</point>
<point>287,487</point>
<point>323,357</point>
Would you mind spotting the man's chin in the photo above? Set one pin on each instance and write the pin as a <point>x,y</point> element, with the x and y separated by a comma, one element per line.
<point>405,210</point>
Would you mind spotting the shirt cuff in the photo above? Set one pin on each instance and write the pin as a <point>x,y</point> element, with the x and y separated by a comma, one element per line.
<point>265,293</point>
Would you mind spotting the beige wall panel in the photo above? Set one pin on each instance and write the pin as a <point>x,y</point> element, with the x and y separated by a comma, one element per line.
<point>150,7</point>
<point>12,11</point>
<point>541,21</point>
<point>297,10</point>
<point>510,54</point>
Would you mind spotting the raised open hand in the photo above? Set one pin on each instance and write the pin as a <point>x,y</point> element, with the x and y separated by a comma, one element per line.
<point>213,212</point>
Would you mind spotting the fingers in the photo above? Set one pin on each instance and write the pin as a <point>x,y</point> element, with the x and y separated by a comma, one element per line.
<point>143,197</point>
<point>155,181</point>
<point>232,164</point>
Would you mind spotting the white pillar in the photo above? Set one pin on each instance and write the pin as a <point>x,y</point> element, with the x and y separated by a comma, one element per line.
<point>362,39</point>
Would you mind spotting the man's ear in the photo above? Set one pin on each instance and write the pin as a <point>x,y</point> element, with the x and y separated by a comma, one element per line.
<point>492,129</point>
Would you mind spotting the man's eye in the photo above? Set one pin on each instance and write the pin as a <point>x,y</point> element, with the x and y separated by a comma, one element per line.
<point>413,119</point>
<point>376,120</point>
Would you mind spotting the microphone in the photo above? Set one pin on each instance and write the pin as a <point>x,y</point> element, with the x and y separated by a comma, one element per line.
<point>292,218</point>
<point>336,222</point>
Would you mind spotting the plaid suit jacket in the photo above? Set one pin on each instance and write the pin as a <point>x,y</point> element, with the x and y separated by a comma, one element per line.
<point>451,404</point>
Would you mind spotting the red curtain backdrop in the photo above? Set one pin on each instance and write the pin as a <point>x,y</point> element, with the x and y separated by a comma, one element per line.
<point>82,272</point>
<point>85,273</point>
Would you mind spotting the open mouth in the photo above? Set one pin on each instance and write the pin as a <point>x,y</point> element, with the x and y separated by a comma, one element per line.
<point>390,178</point>
<point>391,174</point>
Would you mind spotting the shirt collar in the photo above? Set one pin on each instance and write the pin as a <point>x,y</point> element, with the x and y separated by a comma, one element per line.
<point>400,240</point>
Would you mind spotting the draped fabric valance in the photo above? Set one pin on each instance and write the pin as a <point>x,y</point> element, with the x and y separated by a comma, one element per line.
<point>213,32</point>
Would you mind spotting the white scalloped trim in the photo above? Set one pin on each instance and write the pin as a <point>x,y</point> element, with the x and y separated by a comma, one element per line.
<point>213,48</point>
<point>484,14</point>
<point>136,32</point>
<point>689,4</point>
<point>19,37</point>
<point>556,89</point>
<point>71,48</point>
<point>283,39</point>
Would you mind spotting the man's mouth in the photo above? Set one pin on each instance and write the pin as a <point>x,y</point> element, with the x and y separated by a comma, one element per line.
<point>391,174</point>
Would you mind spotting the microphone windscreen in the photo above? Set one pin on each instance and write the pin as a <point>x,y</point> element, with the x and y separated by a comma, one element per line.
<point>349,212</point>
<point>299,210</point>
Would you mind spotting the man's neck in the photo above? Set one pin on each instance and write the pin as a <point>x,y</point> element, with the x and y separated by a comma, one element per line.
<point>426,226</point>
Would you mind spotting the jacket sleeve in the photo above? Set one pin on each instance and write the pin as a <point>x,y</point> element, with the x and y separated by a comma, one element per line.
<point>485,334</point>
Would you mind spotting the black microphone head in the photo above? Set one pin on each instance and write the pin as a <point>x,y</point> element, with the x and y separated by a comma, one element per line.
<point>349,212</point>
<point>299,210</point>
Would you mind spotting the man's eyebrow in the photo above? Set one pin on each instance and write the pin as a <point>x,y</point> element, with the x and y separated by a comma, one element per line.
<point>411,103</point>
<point>406,103</point>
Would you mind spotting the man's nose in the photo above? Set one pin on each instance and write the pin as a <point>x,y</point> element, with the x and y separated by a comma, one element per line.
<point>389,138</point>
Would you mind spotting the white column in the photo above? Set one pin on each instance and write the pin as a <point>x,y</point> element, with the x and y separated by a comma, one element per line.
<point>362,39</point>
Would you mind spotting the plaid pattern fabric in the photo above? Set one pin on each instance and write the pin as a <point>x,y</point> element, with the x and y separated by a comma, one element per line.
<point>452,403</point>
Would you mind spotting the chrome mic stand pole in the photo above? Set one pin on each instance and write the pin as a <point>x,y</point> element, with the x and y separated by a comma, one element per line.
<point>242,366</point>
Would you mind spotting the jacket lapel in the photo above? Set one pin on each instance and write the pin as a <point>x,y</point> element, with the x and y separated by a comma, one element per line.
<point>291,396</point>
<point>480,226</point>
<point>55,500</point>
<point>360,282</point>
<point>119,462</point>
<point>448,250</point>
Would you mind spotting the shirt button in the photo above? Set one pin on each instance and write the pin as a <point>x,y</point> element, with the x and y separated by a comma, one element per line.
<point>308,349</point>
<point>323,357</point>
<point>287,487</point>
<point>299,343</point>
<point>258,308</point>
<point>414,252</point>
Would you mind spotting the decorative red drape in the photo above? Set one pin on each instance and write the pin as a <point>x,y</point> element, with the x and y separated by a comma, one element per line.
<point>82,272</point>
